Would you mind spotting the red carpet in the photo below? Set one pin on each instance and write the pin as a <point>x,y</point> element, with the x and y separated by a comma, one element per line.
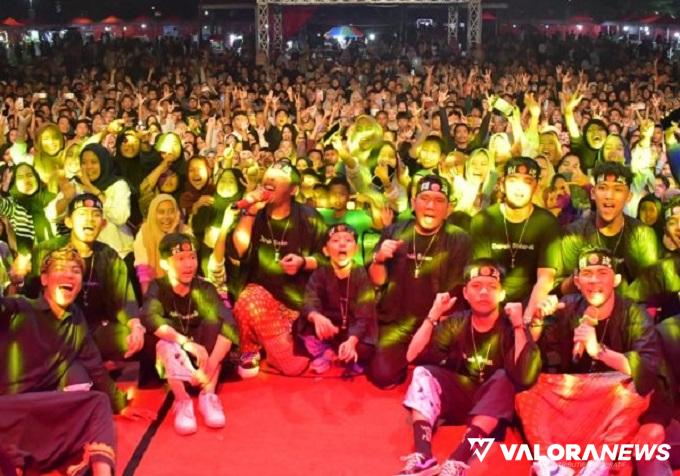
<point>298,426</point>
<point>279,426</point>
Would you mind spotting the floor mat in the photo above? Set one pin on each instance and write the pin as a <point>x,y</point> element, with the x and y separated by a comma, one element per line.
<point>301,426</point>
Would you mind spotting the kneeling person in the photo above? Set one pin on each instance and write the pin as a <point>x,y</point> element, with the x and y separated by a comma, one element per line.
<point>482,361</point>
<point>194,328</point>
<point>339,319</point>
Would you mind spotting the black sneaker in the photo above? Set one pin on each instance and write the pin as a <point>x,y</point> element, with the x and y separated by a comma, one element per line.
<point>416,464</point>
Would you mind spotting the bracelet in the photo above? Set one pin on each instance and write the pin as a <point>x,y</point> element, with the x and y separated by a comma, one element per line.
<point>375,260</point>
<point>602,350</point>
<point>432,321</point>
<point>245,213</point>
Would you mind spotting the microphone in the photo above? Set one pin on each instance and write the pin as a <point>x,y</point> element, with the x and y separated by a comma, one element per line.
<point>579,347</point>
<point>248,201</point>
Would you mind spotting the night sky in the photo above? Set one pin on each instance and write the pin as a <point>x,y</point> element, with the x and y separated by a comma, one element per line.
<point>62,10</point>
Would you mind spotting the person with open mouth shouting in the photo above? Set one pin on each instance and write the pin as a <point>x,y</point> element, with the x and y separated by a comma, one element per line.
<point>415,259</point>
<point>48,364</point>
<point>633,244</point>
<point>278,243</point>
<point>338,321</point>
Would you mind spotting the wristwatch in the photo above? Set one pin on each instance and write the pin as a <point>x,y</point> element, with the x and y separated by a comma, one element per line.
<point>432,321</point>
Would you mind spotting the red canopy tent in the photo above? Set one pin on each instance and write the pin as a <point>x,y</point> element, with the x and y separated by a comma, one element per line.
<point>81,21</point>
<point>9,21</point>
<point>112,20</point>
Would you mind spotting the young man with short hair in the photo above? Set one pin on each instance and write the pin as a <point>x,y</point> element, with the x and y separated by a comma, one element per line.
<point>520,236</point>
<point>478,359</point>
<point>194,329</point>
<point>633,245</point>
<point>48,362</point>
<point>594,331</point>
<point>278,243</point>
<point>415,260</point>
<point>107,298</point>
<point>338,321</point>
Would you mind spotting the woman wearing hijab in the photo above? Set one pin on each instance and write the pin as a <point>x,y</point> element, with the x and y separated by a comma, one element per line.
<point>163,218</point>
<point>129,165</point>
<point>199,188</point>
<point>29,209</point>
<point>206,222</point>
<point>97,176</point>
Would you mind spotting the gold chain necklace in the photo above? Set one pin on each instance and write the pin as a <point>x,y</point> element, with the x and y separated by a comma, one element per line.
<point>511,246</point>
<point>277,246</point>
<point>476,358</point>
<point>418,262</point>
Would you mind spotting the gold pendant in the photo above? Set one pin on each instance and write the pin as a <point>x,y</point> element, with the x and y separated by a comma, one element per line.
<point>276,255</point>
<point>416,272</point>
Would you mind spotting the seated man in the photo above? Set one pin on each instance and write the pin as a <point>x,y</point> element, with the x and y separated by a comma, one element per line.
<point>338,319</point>
<point>594,332</point>
<point>481,360</point>
<point>194,329</point>
<point>45,346</point>
<point>415,260</point>
<point>107,298</point>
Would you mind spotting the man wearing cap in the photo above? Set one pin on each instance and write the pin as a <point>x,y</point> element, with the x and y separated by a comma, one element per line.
<point>595,331</point>
<point>520,236</point>
<point>478,361</point>
<point>633,244</point>
<point>415,259</point>
<point>338,320</point>
<point>107,297</point>
<point>194,330</point>
<point>278,243</point>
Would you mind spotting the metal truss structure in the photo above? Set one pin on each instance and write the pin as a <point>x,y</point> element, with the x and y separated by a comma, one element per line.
<point>272,38</point>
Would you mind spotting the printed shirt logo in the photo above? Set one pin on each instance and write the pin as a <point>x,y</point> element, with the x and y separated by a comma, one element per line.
<point>480,446</point>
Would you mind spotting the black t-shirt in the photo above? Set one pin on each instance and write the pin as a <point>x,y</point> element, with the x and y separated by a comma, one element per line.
<point>330,296</point>
<point>301,233</point>
<point>635,247</point>
<point>535,244</point>
<point>478,355</point>
<point>200,315</point>
<point>441,258</point>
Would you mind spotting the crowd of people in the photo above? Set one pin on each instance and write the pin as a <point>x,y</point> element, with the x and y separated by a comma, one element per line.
<point>507,222</point>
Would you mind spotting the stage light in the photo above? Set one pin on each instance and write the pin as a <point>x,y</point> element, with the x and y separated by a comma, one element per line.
<point>143,26</point>
<point>626,28</point>
<point>371,36</point>
<point>579,27</point>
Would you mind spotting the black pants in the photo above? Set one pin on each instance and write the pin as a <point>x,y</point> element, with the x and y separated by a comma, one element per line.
<point>41,430</point>
<point>463,398</point>
<point>388,366</point>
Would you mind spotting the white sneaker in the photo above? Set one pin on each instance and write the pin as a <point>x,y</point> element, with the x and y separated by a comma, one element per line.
<point>185,420</point>
<point>210,407</point>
